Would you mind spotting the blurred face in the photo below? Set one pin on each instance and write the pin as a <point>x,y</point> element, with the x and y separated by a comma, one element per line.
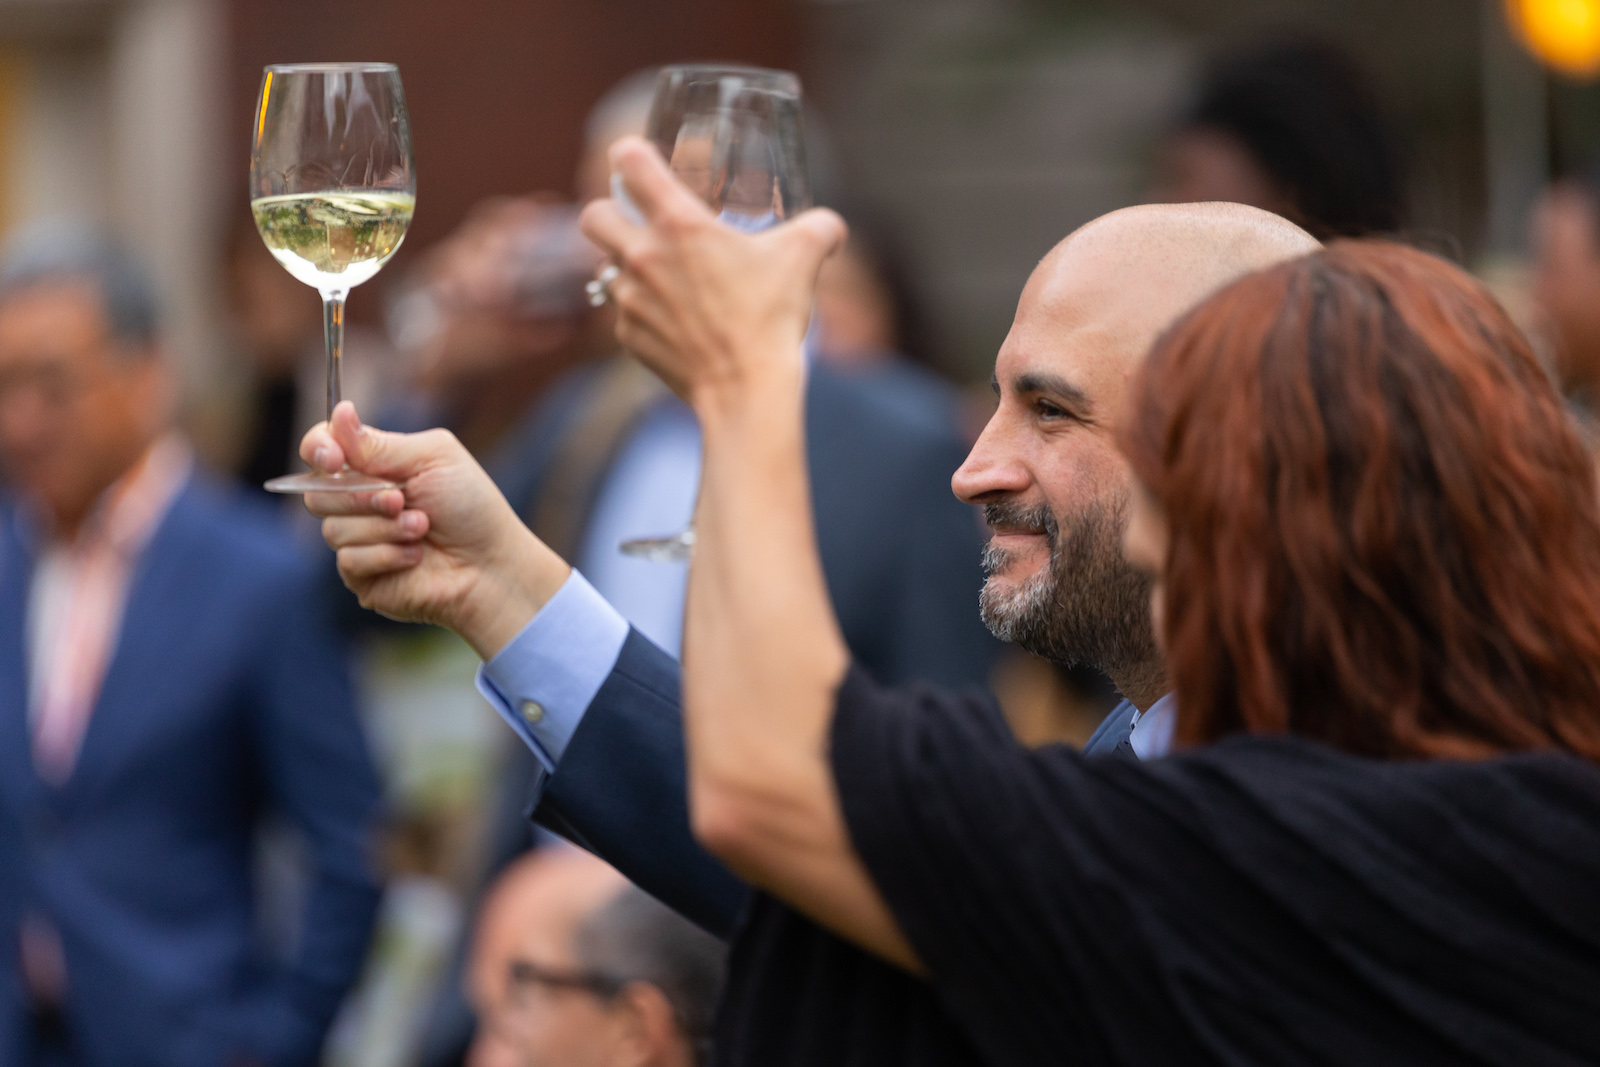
<point>533,1008</point>
<point>1047,472</point>
<point>554,1025</point>
<point>1566,232</point>
<point>76,410</point>
<point>853,309</point>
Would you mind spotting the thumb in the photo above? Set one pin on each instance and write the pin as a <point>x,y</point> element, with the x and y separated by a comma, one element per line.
<point>650,183</point>
<point>815,234</point>
<point>396,456</point>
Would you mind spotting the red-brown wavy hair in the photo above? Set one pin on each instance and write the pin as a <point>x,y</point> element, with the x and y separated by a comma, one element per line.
<point>1385,534</point>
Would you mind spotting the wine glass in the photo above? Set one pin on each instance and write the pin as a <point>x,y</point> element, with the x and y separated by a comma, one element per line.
<point>733,135</point>
<point>332,188</point>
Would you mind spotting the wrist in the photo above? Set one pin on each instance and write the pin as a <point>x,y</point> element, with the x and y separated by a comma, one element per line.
<point>770,384</point>
<point>513,584</point>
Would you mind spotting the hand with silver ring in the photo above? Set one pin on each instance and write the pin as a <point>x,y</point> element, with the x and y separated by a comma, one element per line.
<point>599,289</point>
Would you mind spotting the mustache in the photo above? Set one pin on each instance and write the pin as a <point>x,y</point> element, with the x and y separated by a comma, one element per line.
<point>1009,515</point>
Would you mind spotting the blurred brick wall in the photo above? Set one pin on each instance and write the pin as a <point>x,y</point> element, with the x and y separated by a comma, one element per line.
<point>498,89</point>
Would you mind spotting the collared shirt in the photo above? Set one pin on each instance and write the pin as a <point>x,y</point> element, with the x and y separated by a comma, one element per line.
<point>648,491</point>
<point>544,680</point>
<point>1152,729</point>
<point>76,601</point>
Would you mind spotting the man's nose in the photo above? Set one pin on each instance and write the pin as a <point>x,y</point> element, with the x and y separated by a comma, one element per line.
<point>990,469</point>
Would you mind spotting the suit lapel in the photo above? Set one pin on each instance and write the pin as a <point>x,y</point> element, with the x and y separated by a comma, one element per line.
<point>16,572</point>
<point>146,636</point>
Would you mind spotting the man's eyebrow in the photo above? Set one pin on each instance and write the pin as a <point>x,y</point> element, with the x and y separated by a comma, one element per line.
<point>1055,387</point>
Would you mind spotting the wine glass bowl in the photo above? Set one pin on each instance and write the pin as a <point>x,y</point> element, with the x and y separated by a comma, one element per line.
<point>733,136</point>
<point>333,190</point>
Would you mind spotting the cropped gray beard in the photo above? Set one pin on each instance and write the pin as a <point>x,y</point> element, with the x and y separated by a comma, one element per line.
<point>1089,607</point>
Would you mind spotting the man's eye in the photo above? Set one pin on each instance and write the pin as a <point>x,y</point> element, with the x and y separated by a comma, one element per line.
<point>1048,410</point>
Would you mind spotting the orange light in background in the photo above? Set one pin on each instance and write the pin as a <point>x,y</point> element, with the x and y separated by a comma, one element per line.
<point>1563,34</point>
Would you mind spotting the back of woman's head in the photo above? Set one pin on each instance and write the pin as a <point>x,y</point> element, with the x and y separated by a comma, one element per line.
<point>1384,534</point>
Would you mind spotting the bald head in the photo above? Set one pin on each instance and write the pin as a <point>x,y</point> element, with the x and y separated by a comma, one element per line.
<point>542,896</point>
<point>1134,272</point>
<point>1047,471</point>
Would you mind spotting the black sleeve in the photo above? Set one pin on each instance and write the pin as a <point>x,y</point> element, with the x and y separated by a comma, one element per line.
<point>1023,915</point>
<point>1258,901</point>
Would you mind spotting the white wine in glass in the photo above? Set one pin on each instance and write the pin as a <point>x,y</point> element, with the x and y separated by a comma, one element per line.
<point>733,135</point>
<point>332,188</point>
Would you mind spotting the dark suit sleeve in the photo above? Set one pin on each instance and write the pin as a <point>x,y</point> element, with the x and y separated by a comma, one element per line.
<point>621,791</point>
<point>320,775</point>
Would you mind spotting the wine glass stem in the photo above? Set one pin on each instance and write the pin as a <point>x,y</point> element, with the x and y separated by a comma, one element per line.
<point>333,335</point>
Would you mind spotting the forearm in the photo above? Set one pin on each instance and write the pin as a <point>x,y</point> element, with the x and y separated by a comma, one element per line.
<point>763,658</point>
<point>762,652</point>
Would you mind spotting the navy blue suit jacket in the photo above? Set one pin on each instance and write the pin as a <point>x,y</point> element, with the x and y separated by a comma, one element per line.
<point>228,695</point>
<point>621,789</point>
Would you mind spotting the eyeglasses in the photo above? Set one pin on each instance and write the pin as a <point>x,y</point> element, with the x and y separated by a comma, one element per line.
<point>525,974</point>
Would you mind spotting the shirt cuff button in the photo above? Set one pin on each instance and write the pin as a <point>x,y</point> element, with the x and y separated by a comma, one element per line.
<point>532,712</point>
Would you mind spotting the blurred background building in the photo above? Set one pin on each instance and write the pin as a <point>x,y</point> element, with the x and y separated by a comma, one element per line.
<point>978,130</point>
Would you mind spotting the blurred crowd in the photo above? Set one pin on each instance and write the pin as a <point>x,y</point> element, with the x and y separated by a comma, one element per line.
<point>242,822</point>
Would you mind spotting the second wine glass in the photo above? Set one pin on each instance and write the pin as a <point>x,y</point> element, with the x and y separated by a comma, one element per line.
<point>333,189</point>
<point>734,136</point>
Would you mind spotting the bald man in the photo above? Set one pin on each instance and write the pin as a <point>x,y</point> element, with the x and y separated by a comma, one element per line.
<point>573,967</point>
<point>449,551</point>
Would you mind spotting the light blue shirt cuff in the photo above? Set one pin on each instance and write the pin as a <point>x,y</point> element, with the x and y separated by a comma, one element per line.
<point>543,682</point>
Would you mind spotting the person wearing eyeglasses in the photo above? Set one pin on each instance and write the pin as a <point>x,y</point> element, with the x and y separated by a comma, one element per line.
<point>573,966</point>
<point>171,684</point>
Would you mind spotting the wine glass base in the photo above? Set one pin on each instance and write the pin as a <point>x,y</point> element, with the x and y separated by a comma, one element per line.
<point>345,481</point>
<point>679,548</point>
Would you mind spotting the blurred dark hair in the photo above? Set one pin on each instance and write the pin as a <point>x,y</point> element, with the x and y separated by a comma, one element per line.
<point>1385,533</point>
<point>636,938</point>
<point>1303,110</point>
<point>60,250</point>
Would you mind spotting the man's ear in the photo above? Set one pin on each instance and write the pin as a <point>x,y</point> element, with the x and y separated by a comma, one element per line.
<point>648,1030</point>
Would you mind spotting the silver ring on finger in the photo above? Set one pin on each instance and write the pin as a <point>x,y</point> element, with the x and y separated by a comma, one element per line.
<point>599,289</point>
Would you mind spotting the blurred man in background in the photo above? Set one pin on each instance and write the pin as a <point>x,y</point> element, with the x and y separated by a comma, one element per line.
<point>574,967</point>
<point>167,678</point>
<point>1292,128</point>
